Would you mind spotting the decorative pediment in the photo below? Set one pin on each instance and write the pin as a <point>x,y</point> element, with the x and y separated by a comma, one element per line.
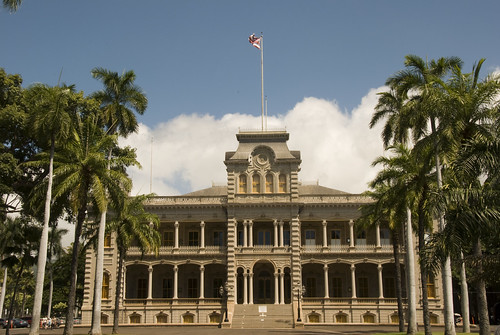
<point>261,159</point>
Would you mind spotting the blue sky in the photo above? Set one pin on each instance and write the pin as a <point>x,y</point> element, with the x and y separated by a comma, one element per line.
<point>194,57</point>
<point>324,63</point>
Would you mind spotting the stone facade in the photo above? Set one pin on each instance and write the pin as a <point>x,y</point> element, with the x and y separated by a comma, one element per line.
<point>264,239</point>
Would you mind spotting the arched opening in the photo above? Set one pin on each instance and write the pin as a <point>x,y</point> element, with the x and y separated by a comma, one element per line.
<point>105,286</point>
<point>242,185</point>
<point>282,183</point>
<point>255,183</point>
<point>263,283</point>
<point>269,183</point>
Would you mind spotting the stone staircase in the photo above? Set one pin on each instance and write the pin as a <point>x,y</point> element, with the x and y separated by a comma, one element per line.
<point>251,316</point>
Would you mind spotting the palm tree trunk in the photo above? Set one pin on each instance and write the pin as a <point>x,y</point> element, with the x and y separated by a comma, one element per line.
<point>68,328</point>
<point>482,303</point>
<point>465,297</point>
<point>99,268</point>
<point>118,290</point>
<point>397,268</point>
<point>410,274</point>
<point>42,252</point>
<point>449,318</point>
<point>12,302</point>
<point>51,291</point>
<point>423,266</point>
<point>4,288</point>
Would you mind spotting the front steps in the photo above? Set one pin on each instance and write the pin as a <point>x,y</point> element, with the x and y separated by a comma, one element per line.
<point>249,316</point>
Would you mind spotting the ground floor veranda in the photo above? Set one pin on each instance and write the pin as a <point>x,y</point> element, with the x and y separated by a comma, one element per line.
<point>336,292</point>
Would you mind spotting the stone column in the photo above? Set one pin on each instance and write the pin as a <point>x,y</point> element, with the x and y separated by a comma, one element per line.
<point>281,234</point>
<point>377,237</point>
<point>380,282</point>
<point>353,280</point>
<point>282,288</point>
<point>351,233</point>
<point>202,282</point>
<point>325,237</point>
<point>202,233</point>
<point>150,282</point>
<point>250,233</point>
<point>275,224</point>
<point>250,301</point>
<point>325,272</point>
<point>276,288</point>
<point>236,288</point>
<point>245,233</point>
<point>245,288</point>
<point>176,235</point>
<point>176,281</point>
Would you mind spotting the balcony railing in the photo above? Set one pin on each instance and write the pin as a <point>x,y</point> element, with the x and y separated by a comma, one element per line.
<point>349,301</point>
<point>342,248</point>
<point>171,301</point>
<point>187,250</point>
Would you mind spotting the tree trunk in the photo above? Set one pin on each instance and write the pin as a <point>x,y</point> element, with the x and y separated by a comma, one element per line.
<point>449,315</point>
<point>99,268</point>
<point>12,302</point>
<point>68,328</point>
<point>42,251</point>
<point>4,288</point>
<point>410,277</point>
<point>51,291</point>
<point>465,296</point>
<point>482,303</point>
<point>423,269</point>
<point>397,268</point>
<point>118,290</point>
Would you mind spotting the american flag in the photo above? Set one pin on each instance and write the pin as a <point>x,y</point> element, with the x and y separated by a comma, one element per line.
<point>255,41</point>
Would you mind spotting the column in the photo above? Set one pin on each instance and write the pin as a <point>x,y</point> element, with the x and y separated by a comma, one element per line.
<point>250,301</point>
<point>276,288</point>
<point>236,288</point>
<point>380,282</point>
<point>245,288</point>
<point>325,237</point>
<point>281,233</point>
<point>176,281</point>
<point>150,282</point>
<point>351,233</point>
<point>275,224</point>
<point>176,235</point>
<point>353,280</point>
<point>202,282</point>
<point>325,272</point>
<point>282,288</point>
<point>250,233</point>
<point>377,237</point>
<point>202,237</point>
<point>245,233</point>
<point>124,287</point>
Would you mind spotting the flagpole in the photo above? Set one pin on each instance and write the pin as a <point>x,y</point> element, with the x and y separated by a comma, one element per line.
<point>262,76</point>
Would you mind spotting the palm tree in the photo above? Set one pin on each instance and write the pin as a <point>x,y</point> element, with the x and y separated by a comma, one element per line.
<point>119,99</point>
<point>48,120</point>
<point>12,5</point>
<point>55,250</point>
<point>82,176</point>
<point>21,240</point>
<point>133,223</point>
<point>419,81</point>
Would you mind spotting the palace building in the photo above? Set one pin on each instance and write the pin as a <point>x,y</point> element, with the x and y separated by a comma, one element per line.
<point>262,251</point>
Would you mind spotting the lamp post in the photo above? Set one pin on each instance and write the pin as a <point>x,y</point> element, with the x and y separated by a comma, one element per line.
<point>223,290</point>
<point>300,293</point>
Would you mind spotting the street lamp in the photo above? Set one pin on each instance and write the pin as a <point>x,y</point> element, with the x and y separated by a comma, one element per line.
<point>223,290</point>
<point>300,294</point>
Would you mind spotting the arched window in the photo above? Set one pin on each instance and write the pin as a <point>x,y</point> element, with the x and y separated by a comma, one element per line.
<point>256,183</point>
<point>243,184</point>
<point>282,183</point>
<point>105,286</point>
<point>269,183</point>
<point>107,240</point>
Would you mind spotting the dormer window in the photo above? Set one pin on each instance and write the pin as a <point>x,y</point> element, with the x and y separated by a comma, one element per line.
<point>256,183</point>
<point>282,183</point>
<point>242,183</point>
<point>269,183</point>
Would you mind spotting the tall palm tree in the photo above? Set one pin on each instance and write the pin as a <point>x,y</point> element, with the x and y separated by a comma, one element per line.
<point>119,99</point>
<point>81,174</point>
<point>419,81</point>
<point>49,121</point>
<point>133,223</point>
<point>55,250</point>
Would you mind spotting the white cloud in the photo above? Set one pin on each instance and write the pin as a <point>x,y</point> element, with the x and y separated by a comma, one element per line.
<point>337,148</point>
